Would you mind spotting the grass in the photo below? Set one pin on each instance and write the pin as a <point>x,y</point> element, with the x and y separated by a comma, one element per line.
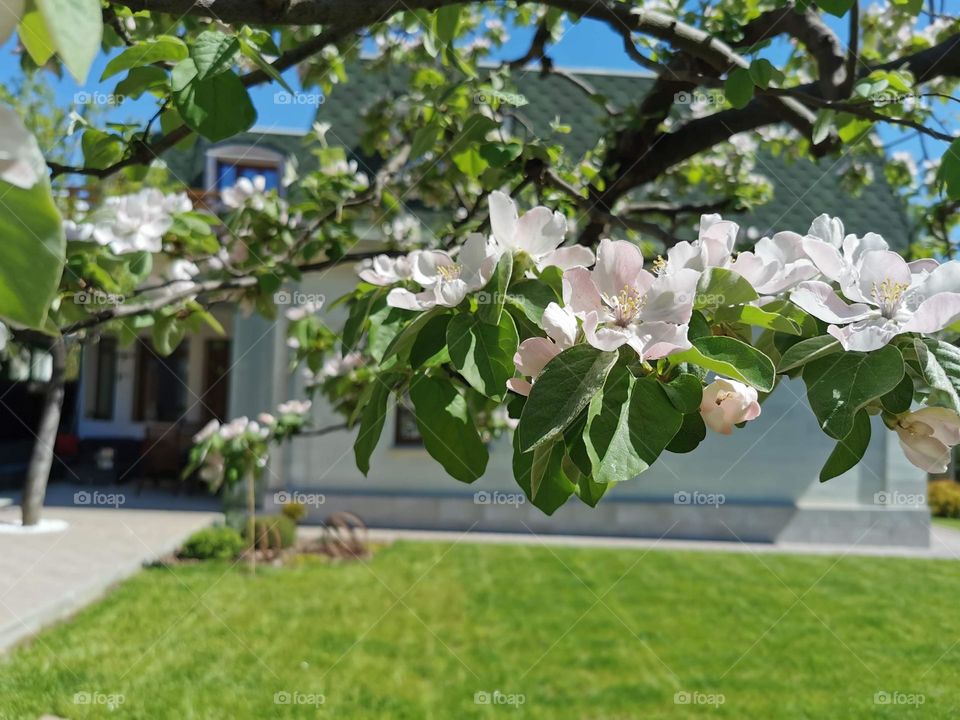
<point>947,522</point>
<point>580,633</point>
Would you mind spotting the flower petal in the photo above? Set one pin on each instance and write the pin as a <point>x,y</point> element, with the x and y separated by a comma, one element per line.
<point>406,300</point>
<point>579,292</point>
<point>654,340</point>
<point>866,335</point>
<point>878,267</point>
<point>560,325</point>
<point>819,299</point>
<point>520,386</point>
<point>540,231</point>
<point>605,338</point>
<point>670,297</point>
<point>567,257</point>
<point>934,313</point>
<point>534,354</point>
<point>503,219</point>
<point>826,257</point>
<point>619,266</point>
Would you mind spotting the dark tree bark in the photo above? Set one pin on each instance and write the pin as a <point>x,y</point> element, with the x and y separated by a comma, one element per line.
<point>41,459</point>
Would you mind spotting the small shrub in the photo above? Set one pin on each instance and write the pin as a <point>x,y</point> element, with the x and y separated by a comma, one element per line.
<point>213,543</point>
<point>943,497</point>
<point>295,511</point>
<point>274,532</point>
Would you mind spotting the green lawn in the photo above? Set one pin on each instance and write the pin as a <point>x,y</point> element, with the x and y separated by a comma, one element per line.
<point>947,522</point>
<point>423,628</point>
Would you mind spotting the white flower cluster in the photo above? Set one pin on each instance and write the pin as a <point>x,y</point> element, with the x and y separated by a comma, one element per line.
<point>131,223</point>
<point>867,293</point>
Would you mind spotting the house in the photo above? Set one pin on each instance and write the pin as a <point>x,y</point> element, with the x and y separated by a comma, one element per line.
<point>759,484</point>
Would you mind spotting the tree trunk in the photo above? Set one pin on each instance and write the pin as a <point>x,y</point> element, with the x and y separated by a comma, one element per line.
<point>252,518</point>
<point>41,459</point>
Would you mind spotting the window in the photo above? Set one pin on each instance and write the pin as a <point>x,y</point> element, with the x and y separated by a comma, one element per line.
<point>102,380</point>
<point>229,172</point>
<point>406,430</point>
<point>161,384</point>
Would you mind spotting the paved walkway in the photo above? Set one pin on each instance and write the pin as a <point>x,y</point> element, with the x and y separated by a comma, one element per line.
<point>46,577</point>
<point>944,543</point>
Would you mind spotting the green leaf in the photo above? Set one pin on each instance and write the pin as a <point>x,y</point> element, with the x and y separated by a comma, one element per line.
<point>821,128</point>
<point>448,432</point>
<point>757,317</point>
<point>591,492</point>
<point>446,22</point>
<point>732,358</point>
<point>213,53</point>
<point>201,103</point>
<point>424,139</point>
<point>531,297</point>
<point>430,346</point>
<point>100,149</point>
<point>763,72</point>
<point>168,332</point>
<point>838,387</point>
<point>251,52</point>
<point>162,48</point>
<point>74,28</point>
<point>564,388</point>
<point>555,488</point>
<point>719,286</point>
<point>948,176</point>
<point>35,36</point>
<point>685,392</point>
<point>494,294</point>
<point>835,7</point>
<point>31,253</point>
<point>848,451</point>
<point>629,423</point>
<point>371,424</point>
<point>739,88</point>
<point>483,353</point>
<point>653,420</point>
<point>139,80</point>
<point>807,351</point>
<point>691,433</point>
<point>939,365</point>
<point>900,398</point>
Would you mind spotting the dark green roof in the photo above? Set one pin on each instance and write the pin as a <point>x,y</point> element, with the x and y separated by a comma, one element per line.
<point>802,189</point>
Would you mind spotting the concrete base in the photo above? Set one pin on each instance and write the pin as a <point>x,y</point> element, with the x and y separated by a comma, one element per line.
<point>747,522</point>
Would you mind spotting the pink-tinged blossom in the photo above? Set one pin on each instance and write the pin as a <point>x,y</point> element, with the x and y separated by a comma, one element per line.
<point>927,437</point>
<point>623,304</point>
<point>533,354</point>
<point>773,266</point>
<point>386,270</point>
<point>538,233</point>
<point>886,300</point>
<point>446,279</point>
<point>726,403</point>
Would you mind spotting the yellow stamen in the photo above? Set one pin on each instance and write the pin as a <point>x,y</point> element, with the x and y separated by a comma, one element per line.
<point>448,272</point>
<point>888,294</point>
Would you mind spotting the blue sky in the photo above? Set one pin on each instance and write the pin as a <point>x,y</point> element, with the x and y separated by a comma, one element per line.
<point>587,44</point>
